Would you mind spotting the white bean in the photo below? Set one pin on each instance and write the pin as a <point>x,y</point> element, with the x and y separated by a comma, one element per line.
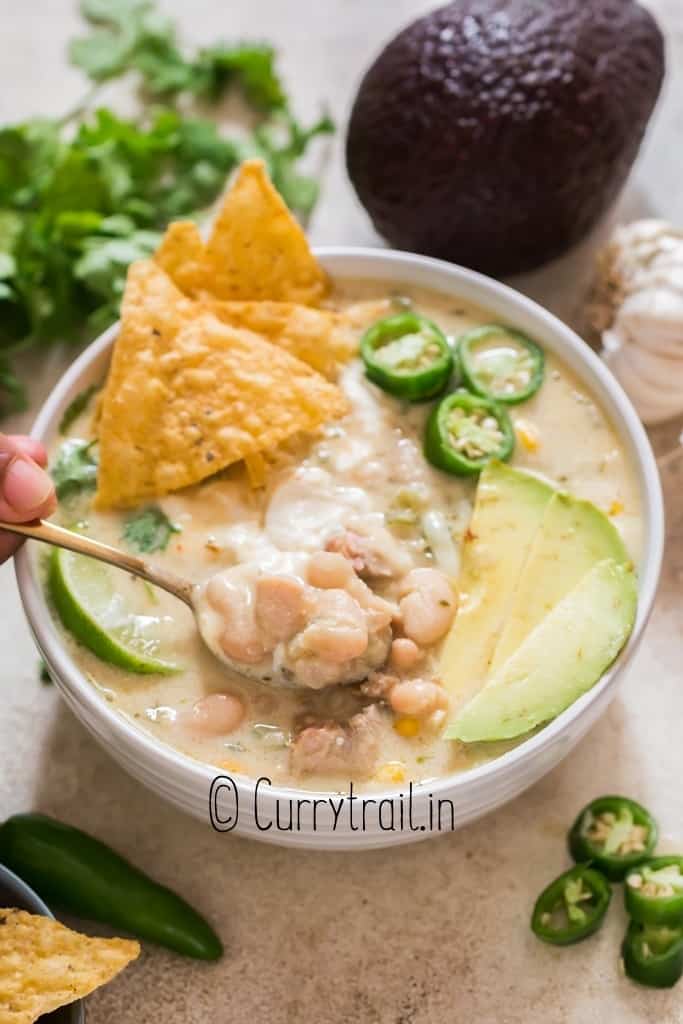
<point>215,715</point>
<point>405,654</point>
<point>417,697</point>
<point>428,607</point>
<point>329,570</point>
<point>281,606</point>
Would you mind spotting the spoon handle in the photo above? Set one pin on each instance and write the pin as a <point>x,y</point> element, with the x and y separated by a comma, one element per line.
<point>57,535</point>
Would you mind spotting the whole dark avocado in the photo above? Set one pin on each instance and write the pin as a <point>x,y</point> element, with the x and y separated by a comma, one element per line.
<point>494,133</point>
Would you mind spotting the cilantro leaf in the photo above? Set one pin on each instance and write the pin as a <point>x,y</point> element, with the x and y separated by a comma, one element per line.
<point>248,65</point>
<point>120,28</point>
<point>12,393</point>
<point>149,530</point>
<point>27,154</point>
<point>75,468</point>
<point>76,406</point>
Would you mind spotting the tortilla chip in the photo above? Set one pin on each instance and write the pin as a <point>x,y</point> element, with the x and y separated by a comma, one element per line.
<point>257,469</point>
<point>152,313</point>
<point>44,965</point>
<point>319,337</point>
<point>182,255</point>
<point>189,406</point>
<point>257,250</point>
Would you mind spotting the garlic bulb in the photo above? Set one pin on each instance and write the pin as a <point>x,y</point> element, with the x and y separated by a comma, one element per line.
<point>638,308</point>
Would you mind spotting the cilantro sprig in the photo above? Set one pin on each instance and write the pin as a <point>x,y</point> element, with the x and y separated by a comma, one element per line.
<point>149,530</point>
<point>75,468</point>
<point>84,196</point>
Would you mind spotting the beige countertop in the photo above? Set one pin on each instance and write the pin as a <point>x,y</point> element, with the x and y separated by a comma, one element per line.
<point>427,933</point>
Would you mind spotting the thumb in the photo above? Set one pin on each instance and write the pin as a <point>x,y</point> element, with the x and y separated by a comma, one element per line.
<point>26,490</point>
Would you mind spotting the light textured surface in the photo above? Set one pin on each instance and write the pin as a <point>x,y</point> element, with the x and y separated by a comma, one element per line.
<point>426,933</point>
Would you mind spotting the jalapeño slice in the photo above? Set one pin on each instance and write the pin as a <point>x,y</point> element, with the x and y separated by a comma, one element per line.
<point>653,892</point>
<point>572,907</point>
<point>653,954</point>
<point>464,432</point>
<point>500,363</point>
<point>408,356</point>
<point>615,834</point>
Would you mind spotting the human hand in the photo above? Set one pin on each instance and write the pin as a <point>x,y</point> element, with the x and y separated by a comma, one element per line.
<point>26,491</point>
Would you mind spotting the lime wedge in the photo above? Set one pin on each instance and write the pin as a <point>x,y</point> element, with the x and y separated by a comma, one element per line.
<point>85,595</point>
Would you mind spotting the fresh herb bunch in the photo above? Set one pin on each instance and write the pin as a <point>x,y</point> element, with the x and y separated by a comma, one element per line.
<point>84,196</point>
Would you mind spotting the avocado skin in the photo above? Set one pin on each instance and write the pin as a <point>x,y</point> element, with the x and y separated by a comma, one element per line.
<point>495,133</point>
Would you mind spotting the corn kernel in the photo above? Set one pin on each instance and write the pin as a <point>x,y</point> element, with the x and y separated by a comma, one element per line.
<point>392,771</point>
<point>528,435</point>
<point>407,727</point>
<point>616,508</point>
<point>231,766</point>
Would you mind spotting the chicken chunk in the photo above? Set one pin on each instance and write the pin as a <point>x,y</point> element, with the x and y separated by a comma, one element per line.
<point>333,748</point>
<point>373,555</point>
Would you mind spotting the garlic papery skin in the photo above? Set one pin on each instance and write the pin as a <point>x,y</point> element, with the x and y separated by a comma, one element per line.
<point>638,307</point>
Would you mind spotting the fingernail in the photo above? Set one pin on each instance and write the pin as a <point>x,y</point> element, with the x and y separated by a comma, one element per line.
<point>26,486</point>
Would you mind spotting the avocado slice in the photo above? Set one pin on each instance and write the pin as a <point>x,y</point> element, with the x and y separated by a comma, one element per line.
<point>574,536</point>
<point>559,660</point>
<point>508,512</point>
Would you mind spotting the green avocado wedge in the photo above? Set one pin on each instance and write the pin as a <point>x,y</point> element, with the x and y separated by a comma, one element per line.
<point>84,594</point>
<point>574,536</point>
<point>558,661</point>
<point>508,512</point>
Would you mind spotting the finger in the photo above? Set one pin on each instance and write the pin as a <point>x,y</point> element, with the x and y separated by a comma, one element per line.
<point>34,449</point>
<point>9,543</point>
<point>26,491</point>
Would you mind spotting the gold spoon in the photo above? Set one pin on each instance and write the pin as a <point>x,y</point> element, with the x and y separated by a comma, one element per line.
<point>51,534</point>
<point>189,593</point>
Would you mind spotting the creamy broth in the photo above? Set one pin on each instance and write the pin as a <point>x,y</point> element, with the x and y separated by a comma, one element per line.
<point>367,469</point>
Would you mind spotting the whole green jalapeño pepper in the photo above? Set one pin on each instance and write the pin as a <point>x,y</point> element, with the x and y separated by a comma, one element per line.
<point>76,872</point>
<point>500,363</point>
<point>653,891</point>
<point>572,907</point>
<point>653,954</point>
<point>615,834</point>
<point>408,356</point>
<point>464,432</point>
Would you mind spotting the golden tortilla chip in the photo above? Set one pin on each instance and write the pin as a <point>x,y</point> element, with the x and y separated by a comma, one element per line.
<point>182,255</point>
<point>319,337</point>
<point>44,965</point>
<point>257,250</point>
<point>189,406</point>
<point>257,469</point>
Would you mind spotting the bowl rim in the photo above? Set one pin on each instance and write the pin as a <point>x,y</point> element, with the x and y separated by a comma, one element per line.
<point>24,890</point>
<point>606,389</point>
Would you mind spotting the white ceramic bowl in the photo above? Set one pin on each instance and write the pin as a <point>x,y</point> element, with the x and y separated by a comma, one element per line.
<point>250,808</point>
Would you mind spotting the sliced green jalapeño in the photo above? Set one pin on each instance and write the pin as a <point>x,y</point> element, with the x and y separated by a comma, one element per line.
<point>500,363</point>
<point>572,907</point>
<point>653,892</point>
<point>408,356</point>
<point>464,432</point>
<point>615,834</point>
<point>653,954</point>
